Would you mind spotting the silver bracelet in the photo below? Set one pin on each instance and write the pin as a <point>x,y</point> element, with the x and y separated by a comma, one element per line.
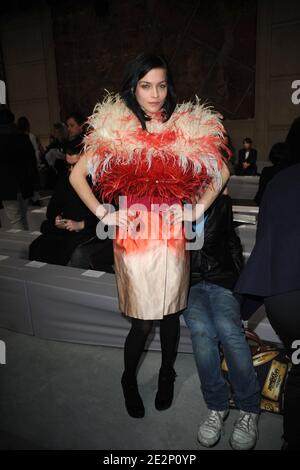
<point>96,213</point>
<point>102,217</point>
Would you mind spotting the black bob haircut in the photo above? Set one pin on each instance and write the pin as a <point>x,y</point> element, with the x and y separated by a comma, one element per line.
<point>135,71</point>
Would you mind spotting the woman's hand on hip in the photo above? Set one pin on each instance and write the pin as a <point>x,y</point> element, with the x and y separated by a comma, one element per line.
<point>119,218</point>
<point>178,213</point>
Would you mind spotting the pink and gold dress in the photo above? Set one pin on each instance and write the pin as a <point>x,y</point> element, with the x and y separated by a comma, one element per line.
<point>169,163</point>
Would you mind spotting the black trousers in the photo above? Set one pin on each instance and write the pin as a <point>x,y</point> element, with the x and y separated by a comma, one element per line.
<point>240,171</point>
<point>284,315</point>
<point>94,254</point>
<point>55,246</point>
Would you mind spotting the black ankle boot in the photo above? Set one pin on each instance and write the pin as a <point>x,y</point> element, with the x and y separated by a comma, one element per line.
<point>133,402</point>
<point>165,393</point>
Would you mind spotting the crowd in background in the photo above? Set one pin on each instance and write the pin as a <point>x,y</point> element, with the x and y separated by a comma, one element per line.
<point>68,235</point>
<point>28,168</point>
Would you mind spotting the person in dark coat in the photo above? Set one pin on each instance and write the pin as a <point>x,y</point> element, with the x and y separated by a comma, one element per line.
<point>279,157</point>
<point>272,277</point>
<point>293,141</point>
<point>247,159</point>
<point>213,317</point>
<point>18,170</point>
<point>69,222</point>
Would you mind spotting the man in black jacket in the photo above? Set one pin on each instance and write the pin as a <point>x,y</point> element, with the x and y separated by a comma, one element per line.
<point>247,159</point>
<point>18,170</point>
<point>213,317</point>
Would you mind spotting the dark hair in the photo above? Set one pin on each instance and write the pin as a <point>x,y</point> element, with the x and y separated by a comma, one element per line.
<point>74,146</point>
<point>78,117</point>
<point>247,140</point>
<point>60,126</point>
<point>23,124</point>
<point>137,69</point>
<point>279,153</point>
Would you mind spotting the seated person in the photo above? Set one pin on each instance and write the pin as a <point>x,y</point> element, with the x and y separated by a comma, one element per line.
<point>247,159</point>
<point>69,222</point>
<point>213,317</point>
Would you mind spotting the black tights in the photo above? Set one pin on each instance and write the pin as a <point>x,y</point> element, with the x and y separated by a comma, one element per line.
<point>137,337</point>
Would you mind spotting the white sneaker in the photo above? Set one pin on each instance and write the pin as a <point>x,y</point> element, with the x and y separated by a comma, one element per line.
<point>210,430</point>
<point>245,431</point>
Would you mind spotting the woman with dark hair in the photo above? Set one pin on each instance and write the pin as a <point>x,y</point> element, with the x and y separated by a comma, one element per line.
<point>142,148</point>
<point>136,70</point>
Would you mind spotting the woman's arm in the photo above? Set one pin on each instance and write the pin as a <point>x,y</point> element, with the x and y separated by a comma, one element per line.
<point>194,213</point>
<point>79,182</point>
<point>210,195</point>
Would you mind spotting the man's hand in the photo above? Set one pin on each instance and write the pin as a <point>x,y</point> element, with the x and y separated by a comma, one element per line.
<point>59,223</point>
<point>73,225</point>
<point>68,224</point>
<point>120,218</point>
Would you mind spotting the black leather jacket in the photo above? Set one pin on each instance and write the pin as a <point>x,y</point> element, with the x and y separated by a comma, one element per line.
<point>220,260</point>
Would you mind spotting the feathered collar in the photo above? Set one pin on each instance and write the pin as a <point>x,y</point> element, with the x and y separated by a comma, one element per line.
<point>193,135</point>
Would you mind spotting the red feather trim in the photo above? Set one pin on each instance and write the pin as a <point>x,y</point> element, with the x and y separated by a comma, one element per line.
<point>164,179</point>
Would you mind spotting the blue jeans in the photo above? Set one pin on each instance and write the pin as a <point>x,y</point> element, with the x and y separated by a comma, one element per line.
<point>213,317</point>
